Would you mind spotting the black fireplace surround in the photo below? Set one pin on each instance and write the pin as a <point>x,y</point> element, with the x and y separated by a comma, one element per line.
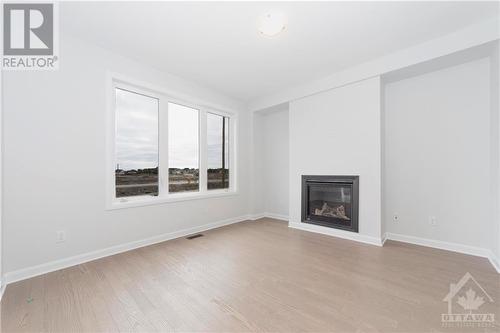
<point>331,201</point>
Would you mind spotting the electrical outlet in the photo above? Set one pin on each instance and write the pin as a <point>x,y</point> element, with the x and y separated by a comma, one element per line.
<point>395,217</point>
<point>432,220</point>
<point>60,236</point>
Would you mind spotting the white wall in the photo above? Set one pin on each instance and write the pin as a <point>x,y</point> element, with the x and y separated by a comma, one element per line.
<point>383,168</point>
<point>337,132</point>
<point>258,185</point>
<point>54,139</point>
<point>437,155</point>
<point>272,162</point>
<point>277,162</point>
<point>495,144</point>
<point>1,185</point>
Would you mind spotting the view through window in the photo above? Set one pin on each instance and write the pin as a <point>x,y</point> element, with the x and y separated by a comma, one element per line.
<point>160,147</point>
<point>136,171</point>
<point>218,151</point>
<point>183,148</point>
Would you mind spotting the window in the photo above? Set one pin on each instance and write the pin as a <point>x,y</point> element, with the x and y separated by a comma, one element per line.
<point>166,150</point>
<point>218,151</point>
<point>183,152</point>
<point>136,170</point>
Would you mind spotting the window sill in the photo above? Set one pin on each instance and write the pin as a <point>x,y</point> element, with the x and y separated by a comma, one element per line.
<point>149,200</point>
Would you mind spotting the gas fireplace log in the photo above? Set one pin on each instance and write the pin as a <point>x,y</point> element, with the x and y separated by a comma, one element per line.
<point>338,212</point>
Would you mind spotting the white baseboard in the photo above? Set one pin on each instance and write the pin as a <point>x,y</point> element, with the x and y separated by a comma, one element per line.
<point>2,289</point>
<point>254,217</point>
<point>29,272</point>
<point>384,238</point>
<point>495,261</point>
<point>455,247</point>
<point>442,245</point>
<point>276,216</point>
<point>258,216</point>
<point>337,233</point>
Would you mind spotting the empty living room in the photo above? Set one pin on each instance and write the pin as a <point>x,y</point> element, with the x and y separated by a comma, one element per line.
<point>250,166</point>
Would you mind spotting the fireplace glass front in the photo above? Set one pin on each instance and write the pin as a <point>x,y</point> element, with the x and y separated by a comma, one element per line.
<point>331,201</point>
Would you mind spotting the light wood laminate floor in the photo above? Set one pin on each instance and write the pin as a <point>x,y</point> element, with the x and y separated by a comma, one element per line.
<point>251,276</point>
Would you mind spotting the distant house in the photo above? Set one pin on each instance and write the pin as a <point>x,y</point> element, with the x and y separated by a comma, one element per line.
<point>175,171</point>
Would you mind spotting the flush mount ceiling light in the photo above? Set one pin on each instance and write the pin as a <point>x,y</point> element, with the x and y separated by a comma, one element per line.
<point>271,24</point>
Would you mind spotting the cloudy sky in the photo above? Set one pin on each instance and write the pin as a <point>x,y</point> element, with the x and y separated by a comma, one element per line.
<point>182,136</point>
<point>136,130</point>
<point>137,134</point>
<point>214,140</point>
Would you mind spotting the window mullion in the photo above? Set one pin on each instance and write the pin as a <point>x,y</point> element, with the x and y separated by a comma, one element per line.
<point>163,148</point>
<point>203,149</point>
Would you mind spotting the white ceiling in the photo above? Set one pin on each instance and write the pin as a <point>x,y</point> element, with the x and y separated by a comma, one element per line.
<point>217,44</point>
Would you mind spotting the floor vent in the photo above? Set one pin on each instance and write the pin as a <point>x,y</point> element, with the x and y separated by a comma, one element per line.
<point>194,236</point>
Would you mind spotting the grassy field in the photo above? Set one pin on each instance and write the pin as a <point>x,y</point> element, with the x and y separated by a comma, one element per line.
<point>145,182</point>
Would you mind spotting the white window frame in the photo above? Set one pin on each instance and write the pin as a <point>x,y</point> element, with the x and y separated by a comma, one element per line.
<point>114,81</point>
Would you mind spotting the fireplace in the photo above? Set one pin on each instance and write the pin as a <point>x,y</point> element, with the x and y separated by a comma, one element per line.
<point>331,201</point>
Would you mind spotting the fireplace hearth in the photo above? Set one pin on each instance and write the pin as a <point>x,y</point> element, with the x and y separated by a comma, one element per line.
<point>331,201</point>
